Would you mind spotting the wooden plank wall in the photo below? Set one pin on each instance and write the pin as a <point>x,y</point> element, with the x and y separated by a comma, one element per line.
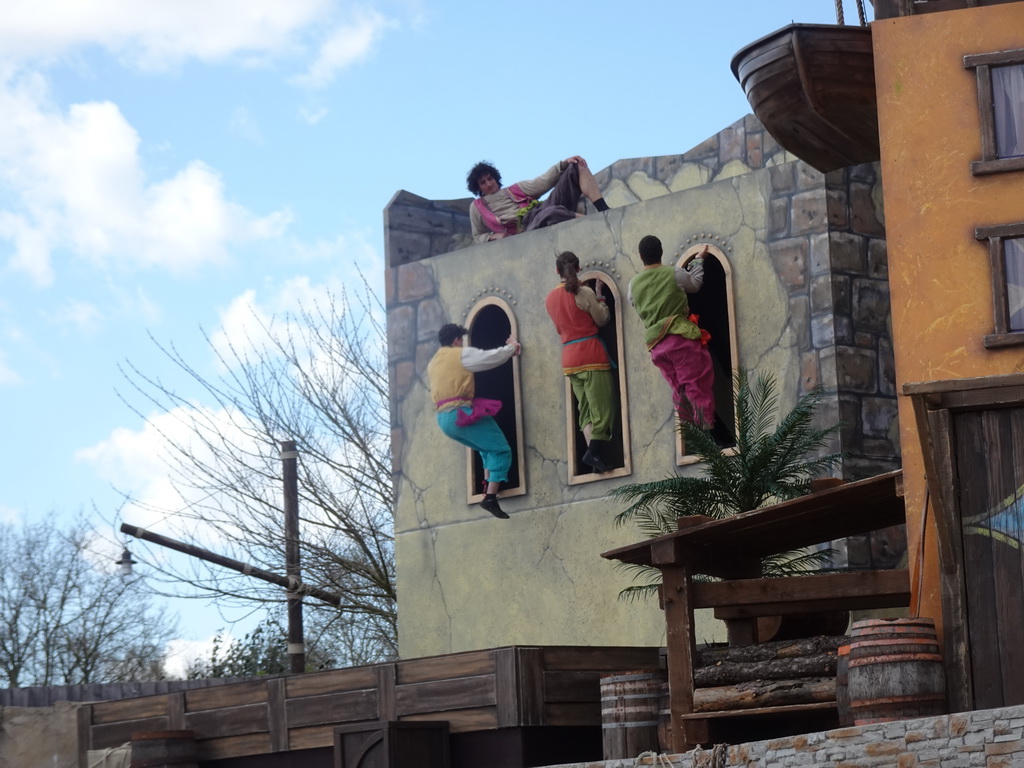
<point>473,691</point>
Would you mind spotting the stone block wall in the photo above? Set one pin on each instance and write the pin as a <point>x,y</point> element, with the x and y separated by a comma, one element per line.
<point>992,738</point>
<point>418,228</point>
<point>808,262</point>
<point>826,238</point>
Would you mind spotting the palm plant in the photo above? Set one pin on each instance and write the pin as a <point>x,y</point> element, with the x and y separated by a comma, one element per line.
<point>766,466</point>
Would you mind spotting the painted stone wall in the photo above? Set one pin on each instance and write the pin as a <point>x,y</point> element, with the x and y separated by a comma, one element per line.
<point>807,255</point>
<point>939,274</point>
<point>44,736</point>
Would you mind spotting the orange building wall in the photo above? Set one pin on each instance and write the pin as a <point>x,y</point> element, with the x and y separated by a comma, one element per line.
<point>939,274</point>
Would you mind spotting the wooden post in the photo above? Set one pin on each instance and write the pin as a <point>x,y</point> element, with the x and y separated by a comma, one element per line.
<point>289,474</point>
<point>682,646</point>
<point>744,631</point>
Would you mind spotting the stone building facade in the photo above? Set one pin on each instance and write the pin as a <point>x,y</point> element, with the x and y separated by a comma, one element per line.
<point>806,258</point>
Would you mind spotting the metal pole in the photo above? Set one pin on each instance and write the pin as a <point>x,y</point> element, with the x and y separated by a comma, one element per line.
<point>227,562</point>
<point>289,474</point>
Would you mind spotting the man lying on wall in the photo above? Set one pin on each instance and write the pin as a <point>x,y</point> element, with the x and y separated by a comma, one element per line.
<point>502,211</point>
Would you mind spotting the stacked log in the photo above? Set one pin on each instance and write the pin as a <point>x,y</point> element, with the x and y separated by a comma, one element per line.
<point>772,674</point>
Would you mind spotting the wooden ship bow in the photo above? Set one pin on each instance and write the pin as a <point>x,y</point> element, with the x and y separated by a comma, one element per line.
<point>812,86</point>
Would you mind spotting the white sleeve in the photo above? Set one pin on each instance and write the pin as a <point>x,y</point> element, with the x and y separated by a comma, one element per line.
<point>587,300</point>
<point>691,279</point>
<point>475,360</point>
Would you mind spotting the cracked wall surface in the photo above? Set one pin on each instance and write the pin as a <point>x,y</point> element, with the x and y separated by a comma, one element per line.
<point>794,239</point>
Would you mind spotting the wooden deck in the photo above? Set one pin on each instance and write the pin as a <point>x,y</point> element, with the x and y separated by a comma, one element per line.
<point>492,690</point>
<point>731,550</point>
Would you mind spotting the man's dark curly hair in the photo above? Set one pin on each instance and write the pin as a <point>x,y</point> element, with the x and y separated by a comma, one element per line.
<point>449,333</point>
<point>480,170</point>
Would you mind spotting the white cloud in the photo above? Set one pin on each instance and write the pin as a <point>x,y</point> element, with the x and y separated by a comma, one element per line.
<point>141,463</point>
<point>246,325</point>
<point>155,34</point>
<point>182,653</point>
<point>80,185</point>
<point>136,462</point>
<point>241,330</point>
<point>83,316</point>
<point>31,248</point>
<point>348,43</point>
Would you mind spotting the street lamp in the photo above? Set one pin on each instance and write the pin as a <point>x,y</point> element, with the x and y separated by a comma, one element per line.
<point>124,565</point>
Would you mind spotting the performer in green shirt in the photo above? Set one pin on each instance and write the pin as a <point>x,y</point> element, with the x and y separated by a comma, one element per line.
<point>677,345</point>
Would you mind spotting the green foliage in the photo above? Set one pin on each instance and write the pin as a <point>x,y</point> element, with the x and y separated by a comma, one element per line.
<point>262,652</point>
<point>769,464</point>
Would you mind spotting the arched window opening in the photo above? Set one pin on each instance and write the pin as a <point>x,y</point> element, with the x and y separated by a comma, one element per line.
<point>490,323</point>
<point>715,308</point>
<point>617,452</point>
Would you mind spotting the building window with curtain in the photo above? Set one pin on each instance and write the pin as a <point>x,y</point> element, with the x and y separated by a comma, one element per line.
<point>1000,79</point>
<point>1006,256</point>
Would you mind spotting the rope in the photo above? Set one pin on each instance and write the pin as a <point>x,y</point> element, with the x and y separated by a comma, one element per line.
<point>841,20</point>
<point>659,759</point>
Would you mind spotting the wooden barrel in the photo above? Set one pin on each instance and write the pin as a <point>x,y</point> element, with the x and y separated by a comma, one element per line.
<point>842,688</point>
<point>629,713</point>
<point>894,671</point>
<point>164,749</point>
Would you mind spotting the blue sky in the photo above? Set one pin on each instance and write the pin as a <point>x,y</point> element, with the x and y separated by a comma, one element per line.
<point>167,169</point>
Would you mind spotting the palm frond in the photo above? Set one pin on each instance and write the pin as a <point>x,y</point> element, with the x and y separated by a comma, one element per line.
<point>769,464</point>
<point>647,578</point>
<point>796,563</point>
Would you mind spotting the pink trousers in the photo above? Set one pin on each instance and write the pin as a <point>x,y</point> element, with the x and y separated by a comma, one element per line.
<point>686,366</point>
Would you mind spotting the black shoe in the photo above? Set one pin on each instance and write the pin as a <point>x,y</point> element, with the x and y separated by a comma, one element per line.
<point>490,503</point>
<point>592,458</point>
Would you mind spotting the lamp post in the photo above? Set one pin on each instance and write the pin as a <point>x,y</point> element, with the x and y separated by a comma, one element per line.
<point>124,565</point>
<point>291,581</point>
<point>289,474</point>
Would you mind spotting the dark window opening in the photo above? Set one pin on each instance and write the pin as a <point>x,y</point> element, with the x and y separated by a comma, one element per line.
<point>711,305</point>
<point>489,328</point>
<point>615,452</point>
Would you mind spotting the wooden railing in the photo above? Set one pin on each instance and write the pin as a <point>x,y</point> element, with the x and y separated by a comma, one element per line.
<point>484,690</point>
<point>731,550</point>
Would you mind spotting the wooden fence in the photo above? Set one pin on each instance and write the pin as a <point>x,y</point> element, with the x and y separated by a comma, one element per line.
<point>513,687</point>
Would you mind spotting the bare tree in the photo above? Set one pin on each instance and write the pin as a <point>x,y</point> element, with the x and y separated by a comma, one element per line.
<point>319,377</point>
<point>66,618</point>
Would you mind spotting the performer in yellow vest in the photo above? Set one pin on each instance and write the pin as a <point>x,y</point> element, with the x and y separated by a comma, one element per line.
<point>464,417</point>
